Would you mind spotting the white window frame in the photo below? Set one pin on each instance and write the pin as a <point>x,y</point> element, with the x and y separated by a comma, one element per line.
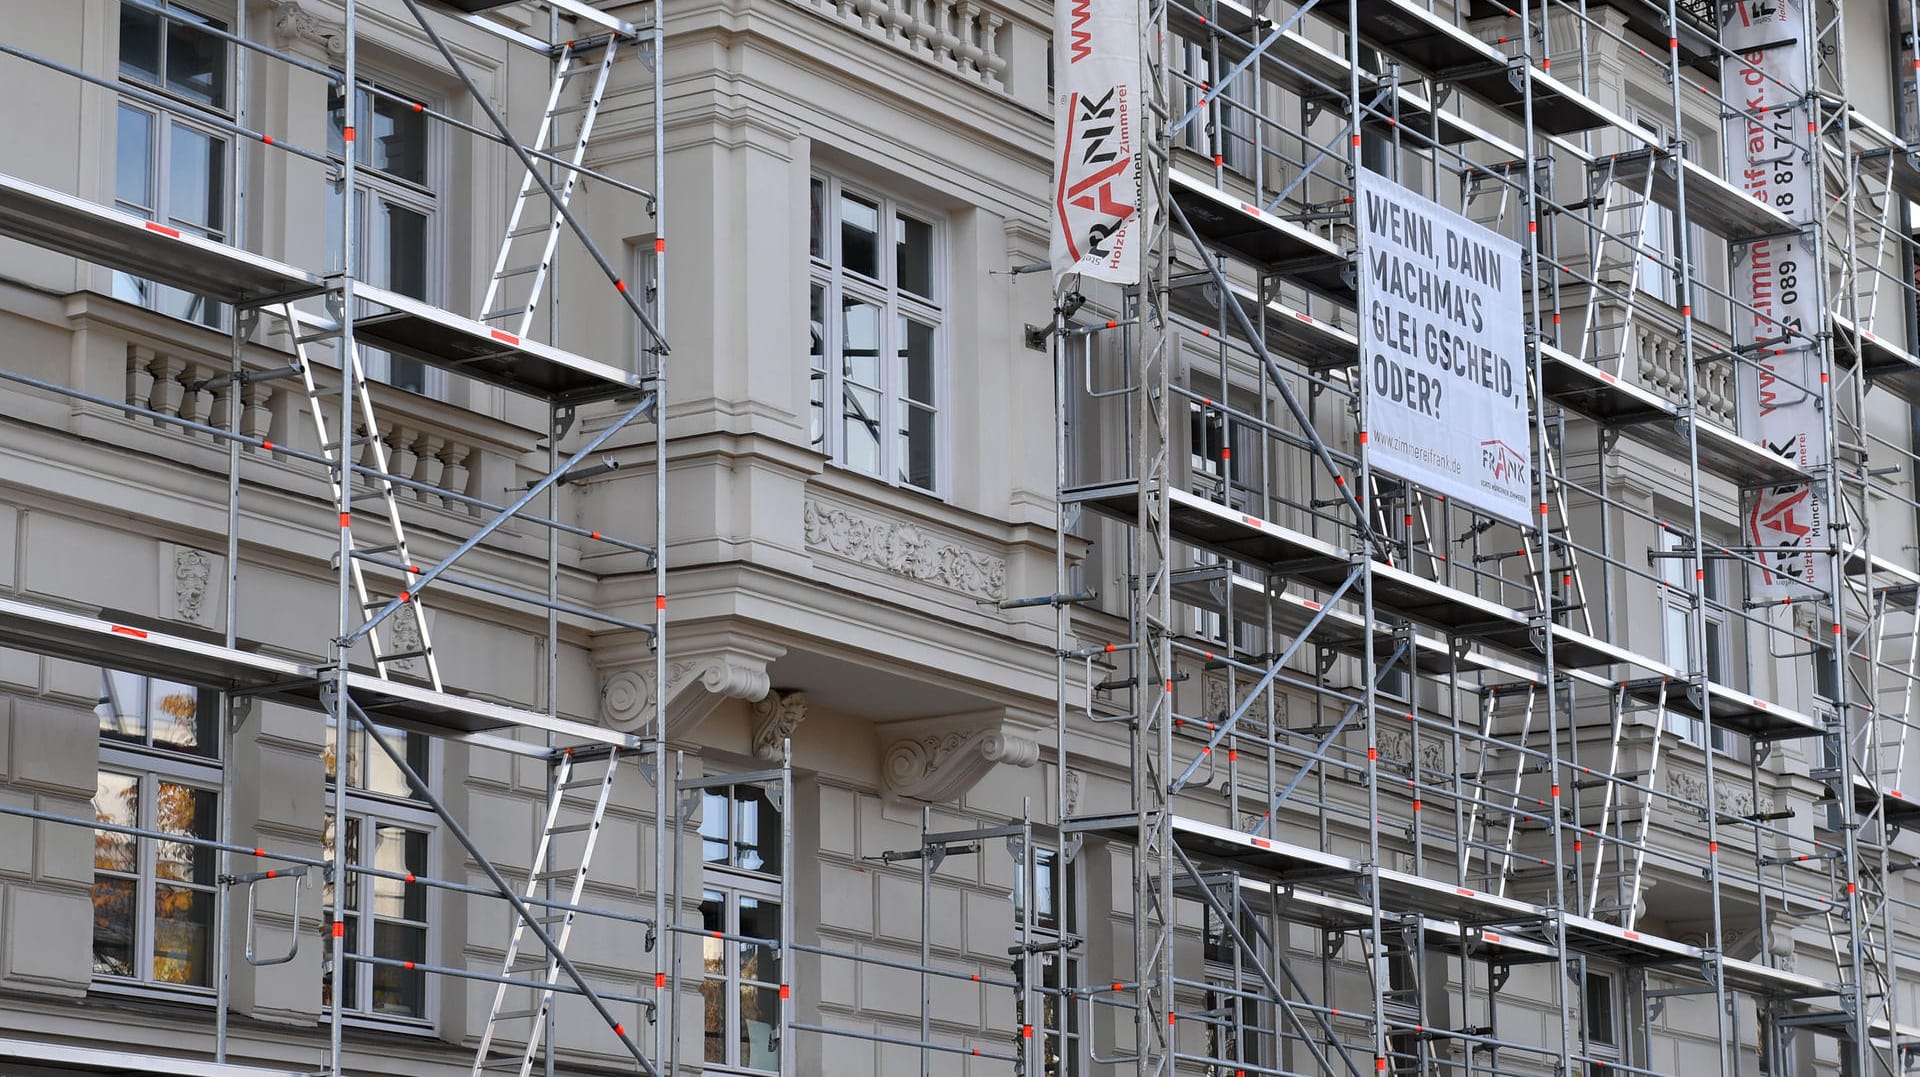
<point>828,390</point>
<point>372,184</point>
<point>732,884</point>
<point>366,811</point>
<point>1677,636</point>
<point>1659,224</point>
<point>1606,980</point>
<point>150,764</point>
<point>1057,966</point>
<point>192,115</point>
<point>1234,120</point>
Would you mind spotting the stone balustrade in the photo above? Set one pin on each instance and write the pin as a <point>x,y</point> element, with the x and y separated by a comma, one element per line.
<point>963,37</point>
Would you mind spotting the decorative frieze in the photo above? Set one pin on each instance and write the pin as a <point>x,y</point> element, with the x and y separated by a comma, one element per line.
<point>905,550</point>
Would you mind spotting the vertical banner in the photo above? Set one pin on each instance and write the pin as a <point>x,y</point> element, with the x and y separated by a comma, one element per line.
<point>1096,140</point>
<point>1443,343</point>
<point>1777,397</point>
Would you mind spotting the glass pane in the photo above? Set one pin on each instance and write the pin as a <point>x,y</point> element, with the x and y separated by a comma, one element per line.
<point>337,120</point>
<point>122,695</point>
<point>133,160</point>
<point>196,181</point>
<point>397,991</point>
<point>860,341</point>
<point>860,236</point>
<point>196,62</point>
<point>116,800</point>
<point>713,917</point>
<point>913,253</point>
<point>188,812</point>
<point>332,751</point>
<point>862,429</point>
<point>181,718</point>
<point>182,926</point>
<point>759,1020</point>
<point>916,360</point>
<point>714,812</point>
<point>139,44</point>
<point>817,363</point>
<point>816,222</point>
<point>402,244</point>
<point>382,776</point>
<point>113,920</point>
<point>399,143</point>
<point>759,919</point>
<point>713,993</point>
<point>402,851</point>
<point>757,835</point>
<point>917,457</point>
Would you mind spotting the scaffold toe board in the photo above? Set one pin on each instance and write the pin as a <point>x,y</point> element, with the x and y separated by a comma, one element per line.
<point>1758,979</point>
<point>1886,365</point>
<point>477,350</point>
<point>139,645</point>
<point>1727,708</point>
<point>1273,243</point>
<point>1420,38</point>
<point>30,1055</point>
<point>93,233</point>
<point>1597,938</point>
<point>1298,336</point>
<point>1713,203</point>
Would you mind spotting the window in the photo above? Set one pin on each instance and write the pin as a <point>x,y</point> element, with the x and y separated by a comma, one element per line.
<point>389,829</point>
<point>1656,274</point>
<point>1055,923</point>
<point>1600,1010</point>
<point>170,165</point>
<point>1676,605</point>
<point>740,848</point>
<point>395,225</point>
<point>154,898</point>
<point>1221,130</point>
<point>1233,1025</point>
<point>875,338</point>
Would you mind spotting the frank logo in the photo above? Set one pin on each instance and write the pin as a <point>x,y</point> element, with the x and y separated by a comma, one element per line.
<point>1504,464</point>
<point>1098,188</point>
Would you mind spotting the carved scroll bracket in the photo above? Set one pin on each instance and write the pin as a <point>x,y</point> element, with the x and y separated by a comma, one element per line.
<point>934,760</point>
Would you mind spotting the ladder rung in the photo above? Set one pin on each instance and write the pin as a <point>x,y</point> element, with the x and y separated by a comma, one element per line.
<point>582,783</point>
<point>402,656</point>
<point>515,1015</point>
<point>573,828</point>
<point>555,873</point>
<point>519,271</point>
<point>531,230</point>
<point>504,1062</point>
<point>502,312</point>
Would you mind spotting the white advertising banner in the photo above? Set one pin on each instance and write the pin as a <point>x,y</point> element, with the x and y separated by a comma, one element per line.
<point>1777,396</point>
<point>1443,345</point>
<point>1096,140</point>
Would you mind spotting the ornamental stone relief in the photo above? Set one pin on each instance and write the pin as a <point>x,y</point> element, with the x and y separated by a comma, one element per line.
<point>905,550</point>
<point>938,759</point>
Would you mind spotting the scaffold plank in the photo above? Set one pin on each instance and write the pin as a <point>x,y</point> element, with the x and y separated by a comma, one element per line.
<point>40,1054</point>
<point>1422,39</point>
<point>1712,203</point>
<point>1290,334</point>
<point>477,350</point>
<point>138,645</point>
<point>1214,526</point>
<point>1899,586</point>
<point>1612,942</point>
<point>1252,234</point>
<point>1894,805</point>
<point>60,222</point>
<point>419,706</point>
<point>1727,708</point>
<point>1886,365</point>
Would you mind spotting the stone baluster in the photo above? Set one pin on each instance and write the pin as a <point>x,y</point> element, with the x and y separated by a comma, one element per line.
<point>256,410</point>
<point>994,67</point>
<point>196,402</point>
<point>401,458</point>
<point>428,466</point>
<point>897,18</point>
<point>139,376</point>
<point>167,390</point>
<point>922,29</point>
<point>943,39</point>
<point>969,32</point>
<point>453,474</point>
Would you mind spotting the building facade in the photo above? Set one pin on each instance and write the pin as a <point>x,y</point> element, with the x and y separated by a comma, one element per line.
<point>863,662</point>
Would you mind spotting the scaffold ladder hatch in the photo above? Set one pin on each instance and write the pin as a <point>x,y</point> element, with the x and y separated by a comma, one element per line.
<point>340,451</point>
<point>516,260</point>
<point>569,878</point>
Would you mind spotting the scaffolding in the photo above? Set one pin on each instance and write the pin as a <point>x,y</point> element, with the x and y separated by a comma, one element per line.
<point>1385,751</point>
<point>1488,743</point>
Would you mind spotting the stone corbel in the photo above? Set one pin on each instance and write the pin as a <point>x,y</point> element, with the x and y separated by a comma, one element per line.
<point>293,24</point>
<point>775,717</point>
<point>934,760</point>
<point>698,682</point>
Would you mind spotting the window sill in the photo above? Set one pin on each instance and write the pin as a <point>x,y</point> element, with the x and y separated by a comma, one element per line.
<point>117,990</point>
